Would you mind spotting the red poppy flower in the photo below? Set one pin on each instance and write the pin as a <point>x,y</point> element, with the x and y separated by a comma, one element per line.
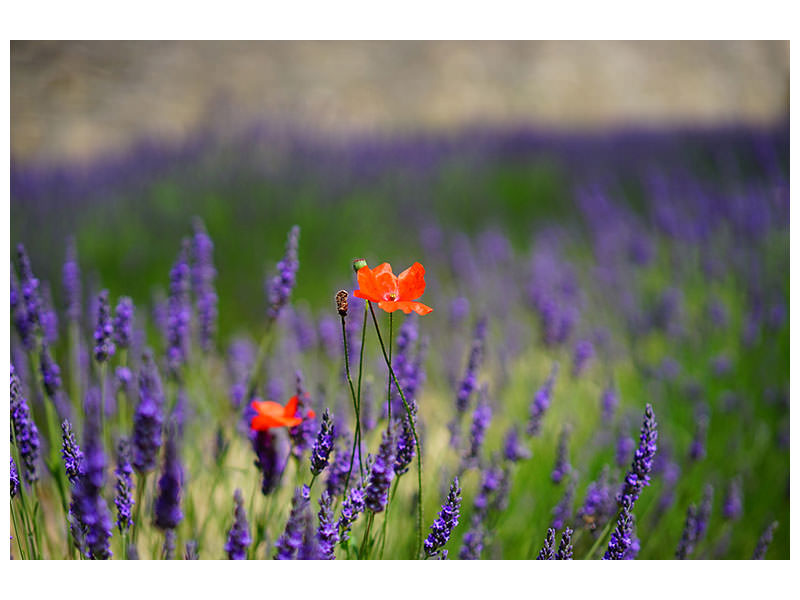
<point>393,292</point>
<point>271,414</point>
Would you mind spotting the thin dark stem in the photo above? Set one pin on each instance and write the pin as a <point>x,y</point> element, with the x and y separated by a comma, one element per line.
<point>357,432</point>
<point>413,429</point>
<point>366,535</point>
<point>389,383</point>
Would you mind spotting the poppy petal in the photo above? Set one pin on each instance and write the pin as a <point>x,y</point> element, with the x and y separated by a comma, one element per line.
<point>406,307</point>
<point>367,285</point>
<point>411,282</point>
<point>387,286</point>
<point>264,422</point>
<point>267,408</point>
<point>291,407</point>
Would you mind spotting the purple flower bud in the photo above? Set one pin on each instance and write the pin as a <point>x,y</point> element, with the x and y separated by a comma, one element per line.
<point>584,351</point>
<point>71,282</point>
<point>609,401</point>
<point>406,449</point>
<point>764,541</point>
<point>88,508</point>
<point>267,460</point>
<point>323,445</point>
<point>279,288</point>
<point>71,452</point>
<point>29,286</point>
<point>26,434</point>
<point>291,540</point>
<point>599,503</point>
<point>337,474</point>
<point>14,477</point>
<point>124,497</point>
<point>51,373</point>
<point>179,313</point>
<point>328,532</point>
<point>687,541</point>
<point>203,274</point>
<point>167,506</point>
<point>446,521</point>
<point>513,449</point>
<point>353,505</point>
<point>620,542</point>
<point>562,466</point>
<point>732,506</point>
<point>381,475</point>
<point>148,418</point>
<point>697,449</point>
<point>480,423</point>
<point>541,402</point>
<point>548,549</point>
<point>103,344</point>
<point>191,551</point>
<point>565,546</point>
<point>642,464</point>
<point>123,323</point>
<point>239,539</point>
<point>563,510</point>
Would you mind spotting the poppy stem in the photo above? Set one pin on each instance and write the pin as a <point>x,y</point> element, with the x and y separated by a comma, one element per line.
<point>356,400</point>
<point>389,384</point>
<point>410,422</point>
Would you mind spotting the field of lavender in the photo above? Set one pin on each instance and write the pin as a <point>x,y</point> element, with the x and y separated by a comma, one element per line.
<point>580,349</point>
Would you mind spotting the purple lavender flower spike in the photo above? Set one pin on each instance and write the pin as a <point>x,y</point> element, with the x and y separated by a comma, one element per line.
<point>167,506</point>
<point>323,445</point>
<point>562,466</point>
<point>29,286</point>
<point>148,418</point>
<point>620,541</point>
<point>71,452</point>
<point>764,541</point>
<point>353,505</point>
<point>104,347</point>
<point>609,401</point>
<point>633,549</point>
<point>14,476</point>
<point>472,545</point>
<point>697,449</point>
<point>71,282</point>
<point>548,549</point>
<point>49,317</point>
<point>481,419</point>
<point>328,532</point>
<point>565,546</point>
<point>88,509</point>
<point>732,506</point>
<point>599,502</point>
<point>302,435</point>
<point>446,521</point>
<point>179,313</point>
<point>51,373</point>
<point>563,510</point>
<point>470,380</point>
<point>638,475</point>
<point>123,323</point>
<point>124,497</point>
<point>687,541</point>
<point>541,402</point>
<point>203,274</point>
<point>584,351</point>
<point>513,449</point>
<point>381,474</point>
<point>267,459</point>
<point>26,434</point>
<point>337,474</point>
<point>406,449</point>
<point>239,539</point>
<point>279,288</point>
<point>625,445</point>
<point>704,513</point>
<point>25,329</point>
<point>291,540</point>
